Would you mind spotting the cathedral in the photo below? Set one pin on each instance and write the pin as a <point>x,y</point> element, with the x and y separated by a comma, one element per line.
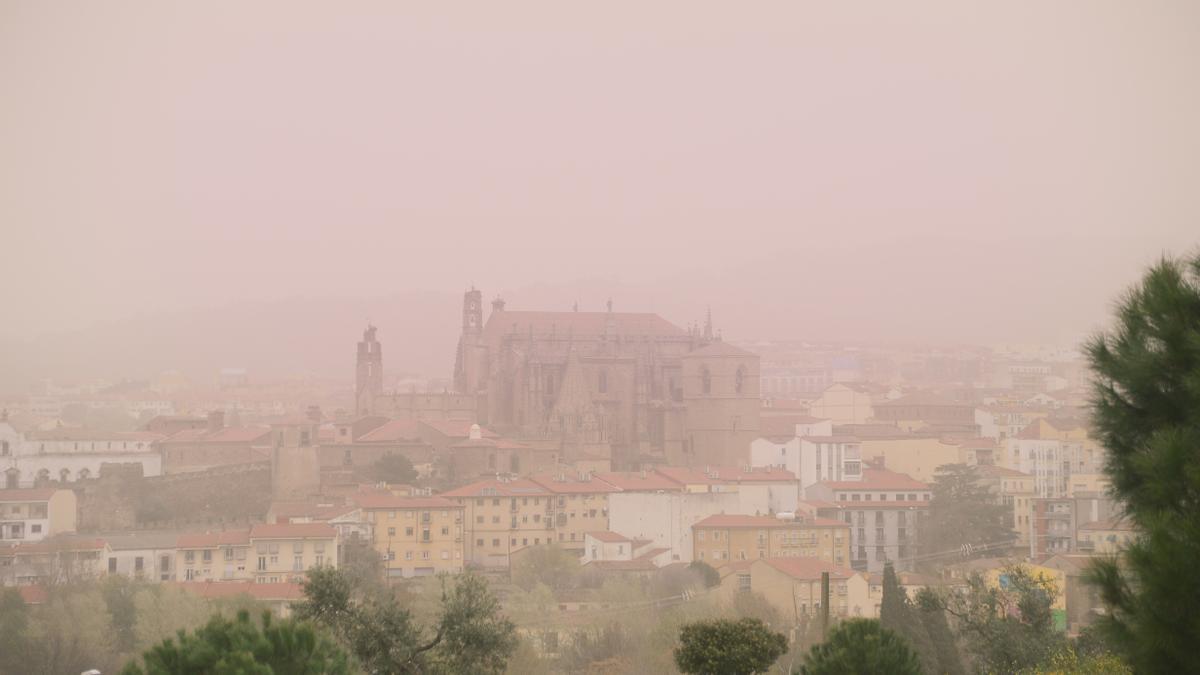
<point>629,388</point>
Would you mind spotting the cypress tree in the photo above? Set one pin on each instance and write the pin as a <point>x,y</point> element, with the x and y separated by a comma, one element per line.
<point>1146,412</point>
<point>897,614</point>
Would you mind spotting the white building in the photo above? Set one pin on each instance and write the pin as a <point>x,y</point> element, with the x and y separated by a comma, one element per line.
<point>67,455</point>
<point>666,518</point>
<point>811,458</point>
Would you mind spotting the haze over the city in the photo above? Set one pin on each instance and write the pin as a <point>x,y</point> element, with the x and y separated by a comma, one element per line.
<point>911,172</point>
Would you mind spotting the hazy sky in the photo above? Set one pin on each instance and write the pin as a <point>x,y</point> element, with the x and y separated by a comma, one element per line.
<point>977,170</point>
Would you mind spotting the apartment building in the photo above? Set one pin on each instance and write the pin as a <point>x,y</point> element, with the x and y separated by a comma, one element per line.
<point>33,514</point>
<point>416,536</point>
<point>884,510</point>
<point>578,505</point>
<point>504,516</point>
<point>285,551</point>
<point>724,538</point>
<point>213,556</point>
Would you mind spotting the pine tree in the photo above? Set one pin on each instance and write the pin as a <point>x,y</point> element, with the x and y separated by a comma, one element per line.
<point>862,646</point>
<point>1146,412</point>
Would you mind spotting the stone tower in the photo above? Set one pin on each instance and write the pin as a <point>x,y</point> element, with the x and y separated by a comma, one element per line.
<point>721,399</point>
<point>368,376</point>
<point>468,362</point>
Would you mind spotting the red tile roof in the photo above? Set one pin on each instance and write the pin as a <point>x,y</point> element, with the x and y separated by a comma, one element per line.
<point>519,487</point>
<point>33,595</point>
<point>292,531</point>
<point>229,589</point>
<point>991,471</point>
<point>224,435</point>
<point>879,479</point>
<point>214,539</point>
<point>609,537</point>
<point>807,568</point>
<point>647,481</point>
<point>687,476</point>
<point>1122,524</point>
<point>399,503</point>
<point>394,430</point>
<point>27,494</point>
<point>756,474</point>
<point>457,428</point>
<point>831,439</point>
<point>737,521</point>
<point>566,482</point>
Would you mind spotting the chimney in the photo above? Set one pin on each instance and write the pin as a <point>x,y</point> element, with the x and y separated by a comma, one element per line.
<point>476,433</point>
<point>216,420</point>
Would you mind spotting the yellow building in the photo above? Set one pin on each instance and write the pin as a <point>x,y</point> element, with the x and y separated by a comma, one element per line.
<point>793,587</point>
<point>285,551</point>
<point>33,514</point>
<point>994,573</point>
<point>844,403</point>
<point>415,536</point>
<point>917,455</point>
<point>503,516</point>
<point>720,539</point>
<point>579,504</point>
<point>1105,536</point>
<point>213,556</point>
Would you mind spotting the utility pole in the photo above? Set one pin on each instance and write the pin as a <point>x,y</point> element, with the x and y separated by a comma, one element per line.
<point>824,605</point>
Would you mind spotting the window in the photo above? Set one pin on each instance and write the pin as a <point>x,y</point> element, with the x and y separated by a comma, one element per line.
<point>35,528</point>
<point>189,557</point>
<point>391,531</point>
<point>262,563</point>
<point>739,379</point>
<point>408,532</point>
<point>705,380</point>
<point>479,542</point>
<point>112,565</point>
<point>603,384</point>
<point>165,563</point>
<point>496,543</point>
<point>297,563</point>
<point>319,560</point>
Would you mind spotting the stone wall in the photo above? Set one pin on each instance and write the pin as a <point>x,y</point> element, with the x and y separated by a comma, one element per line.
<point>228,495</point>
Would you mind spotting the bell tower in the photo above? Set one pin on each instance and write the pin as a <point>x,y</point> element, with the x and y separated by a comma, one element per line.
<point>368,374</point>
<point>467,362</point>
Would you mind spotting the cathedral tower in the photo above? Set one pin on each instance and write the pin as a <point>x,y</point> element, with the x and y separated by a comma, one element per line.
<point>368,376</point>
<point>468,361</point>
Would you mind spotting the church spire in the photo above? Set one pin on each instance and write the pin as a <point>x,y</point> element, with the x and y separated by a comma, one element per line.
<point>708,327</point>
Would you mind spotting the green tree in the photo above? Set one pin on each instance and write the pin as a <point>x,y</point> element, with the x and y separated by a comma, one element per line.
<point>897,614</point>
<point>1008,627</point>
<point>14,627</point>
<point>240,647</point>
<point>938,629</point>
<point>1146,413</point>
<point>394,469</point>
<point>70,633</point>
<point>963,512</point>
<point>470,634</point>
<point>756,606</point>
<point>475,636</point>
<point>552,565</point>
<point>862,646</point>
<point>162,611</point>
<point>729,647</point>
<point>710,574</point>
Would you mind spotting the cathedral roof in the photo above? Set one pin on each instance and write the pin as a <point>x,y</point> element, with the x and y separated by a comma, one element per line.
<point>720,348</point>
<point>579,324</point>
